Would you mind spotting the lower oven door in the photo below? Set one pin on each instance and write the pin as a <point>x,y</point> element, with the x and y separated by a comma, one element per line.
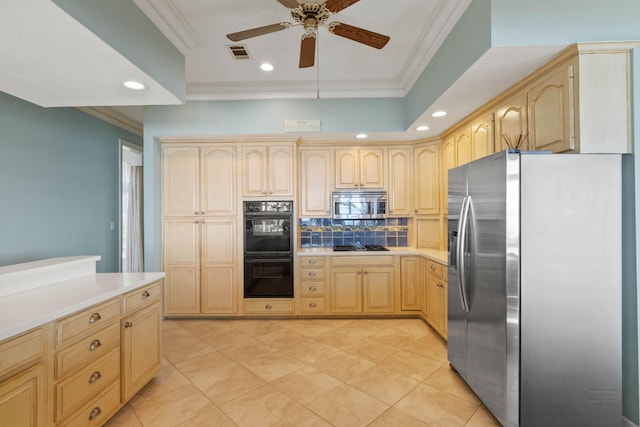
<point>268,277</point>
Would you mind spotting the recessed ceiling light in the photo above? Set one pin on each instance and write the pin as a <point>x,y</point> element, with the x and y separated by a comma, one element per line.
<point>361,135</point>
<point>439,114</point>
<point>422,128</point>
<point>266,67</point>
<point>133,85</point>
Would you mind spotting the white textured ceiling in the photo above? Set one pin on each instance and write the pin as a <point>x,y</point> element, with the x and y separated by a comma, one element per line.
<point>50,59</point>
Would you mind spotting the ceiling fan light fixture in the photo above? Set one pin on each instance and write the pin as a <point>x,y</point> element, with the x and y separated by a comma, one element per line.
<point>266,67</point>
<point>134,85</point>
<point>439,113</point>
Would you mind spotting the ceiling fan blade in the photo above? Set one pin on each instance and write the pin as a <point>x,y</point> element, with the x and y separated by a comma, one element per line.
<point>291,4</point>
<point>336,6</point>
<point>247,34</point>
<point>359,35</point>
<point>307,52</point>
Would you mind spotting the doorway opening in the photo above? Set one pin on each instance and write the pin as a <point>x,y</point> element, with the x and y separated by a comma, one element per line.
<point>131,211</point>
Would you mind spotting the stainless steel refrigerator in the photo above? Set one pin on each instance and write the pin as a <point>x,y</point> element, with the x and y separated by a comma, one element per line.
<point>534,285</point>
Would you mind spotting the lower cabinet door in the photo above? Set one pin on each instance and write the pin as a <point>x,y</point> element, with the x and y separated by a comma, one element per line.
<point>22,399</point>
<point>141,349</point>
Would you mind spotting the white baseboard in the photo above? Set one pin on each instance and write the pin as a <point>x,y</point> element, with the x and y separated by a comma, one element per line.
<point>627,423</point>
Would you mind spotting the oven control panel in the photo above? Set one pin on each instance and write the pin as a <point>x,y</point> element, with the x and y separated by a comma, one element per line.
<point>268,206</point>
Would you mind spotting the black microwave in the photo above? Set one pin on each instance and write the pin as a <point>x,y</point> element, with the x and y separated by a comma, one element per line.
<point>359,205</point>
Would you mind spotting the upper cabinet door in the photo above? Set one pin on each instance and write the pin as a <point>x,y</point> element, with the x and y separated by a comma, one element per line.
<point>511,122</point>
<point>427,182</point>
<point>218,181</point>
<point>372,168</point>
<point>482,137</point>
<point>347,174</point>
<point>399,182</point>
<point>281,171</point>
<point>551,113</point>
<point>315,183</point>
<point>463,146</point>
<point>254,171</point>
<point>181,184</point>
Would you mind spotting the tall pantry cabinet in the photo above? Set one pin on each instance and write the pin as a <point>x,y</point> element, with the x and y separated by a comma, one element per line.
<point>199,229</point>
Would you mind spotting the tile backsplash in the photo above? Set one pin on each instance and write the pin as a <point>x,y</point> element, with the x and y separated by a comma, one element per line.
<point>327,232</point>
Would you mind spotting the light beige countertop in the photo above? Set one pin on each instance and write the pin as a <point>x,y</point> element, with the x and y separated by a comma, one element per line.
<point>432,254</point>
<point>27,307</point>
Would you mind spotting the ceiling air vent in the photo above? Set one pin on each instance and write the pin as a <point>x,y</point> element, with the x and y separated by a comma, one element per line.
<point>239,51</point>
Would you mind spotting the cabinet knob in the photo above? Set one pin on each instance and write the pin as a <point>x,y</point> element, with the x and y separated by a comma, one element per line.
<point>94,317</point>
<point>95,377</point>
<point>355,185</point>
<point>360,272</point>
<point>195,213</point>
<point>268,306</point>
<point>433,267</point>
<point>312,273</point>
<point>94,344</point>
<point>94,413</point>
<point>128,324</point>
<point>195,222</point>
<point>366,272</point>
<point>313,288</point>
<point>312,304</point>
<point>264,193</point>
<point>202,213</point>
<point>146,294</point>
<point>312,261</point>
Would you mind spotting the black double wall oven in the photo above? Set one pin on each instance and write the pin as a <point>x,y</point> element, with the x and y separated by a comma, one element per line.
<point>268,249</point>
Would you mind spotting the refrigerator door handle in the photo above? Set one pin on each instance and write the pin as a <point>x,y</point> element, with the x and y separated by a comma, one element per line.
<point>460,251</point>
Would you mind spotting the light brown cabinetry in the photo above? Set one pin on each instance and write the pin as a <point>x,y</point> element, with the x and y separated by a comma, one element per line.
<point>552,111</point>
<point>362,284</point>
<point>268,170</point>
<point>141,338</point>
<point>316,176</point>
<point>427,181</point>
<point>87,361</point>
<point>482,136</point>
<point>412,292</point>
<point>436,297</point>
<point>23,384</point>
<point>400,182</point>
<point>313,289</point>
<point>200,258</point>
<point>359,169</point>
<point>192,177</point>
<point>511,121</point>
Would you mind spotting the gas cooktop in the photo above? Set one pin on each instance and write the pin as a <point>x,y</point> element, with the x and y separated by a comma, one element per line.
<point>344,248</point>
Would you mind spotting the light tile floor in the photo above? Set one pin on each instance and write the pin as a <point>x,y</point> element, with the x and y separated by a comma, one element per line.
<point>308,372</point>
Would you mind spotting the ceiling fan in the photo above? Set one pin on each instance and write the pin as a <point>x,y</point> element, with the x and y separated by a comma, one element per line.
<point>311,15</point>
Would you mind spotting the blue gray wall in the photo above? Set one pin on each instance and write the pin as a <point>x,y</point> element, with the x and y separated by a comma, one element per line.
<point>59,177</point>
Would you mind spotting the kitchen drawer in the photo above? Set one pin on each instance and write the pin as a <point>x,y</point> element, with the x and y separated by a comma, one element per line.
<point>141,297</point>
<point>362,261</point>
<point>91,319</point>
<point>96,412</point>
<point>268,307</point>
<point>87,349</point>
<point>311,261</point>
<point>21,351</point>
<point>312,289</point>
<point>311,274</point>
<point>312,305</point>
<point>87,383</point>
<point>436,269</point>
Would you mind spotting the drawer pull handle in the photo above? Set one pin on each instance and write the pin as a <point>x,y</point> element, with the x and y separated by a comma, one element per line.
<point>95,377</point>
<point>313,288</point>
<point>312,261</point>
<point>268,306</point>
<point>128,324</point>
<point>433,267</point>
<point>94,317</point>
<point>312,304</point>
<point>94,413</point>
<point>94,344</point>
<point>312,273</point>
<point>146,294</point>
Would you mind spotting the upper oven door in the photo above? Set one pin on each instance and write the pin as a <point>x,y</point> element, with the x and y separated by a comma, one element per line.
<point>267,234</point>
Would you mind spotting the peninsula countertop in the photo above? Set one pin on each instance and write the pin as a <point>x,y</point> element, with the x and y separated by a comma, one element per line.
<point>22,310</point>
